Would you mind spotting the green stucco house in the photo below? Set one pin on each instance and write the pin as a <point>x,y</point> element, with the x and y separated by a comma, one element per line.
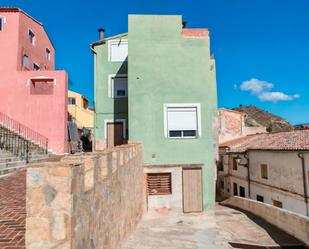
<point>156,84</point>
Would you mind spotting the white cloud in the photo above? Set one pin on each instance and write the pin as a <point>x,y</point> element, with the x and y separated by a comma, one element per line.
<point>261,89</point>
<point>256,86</point>
<point>277,96</point>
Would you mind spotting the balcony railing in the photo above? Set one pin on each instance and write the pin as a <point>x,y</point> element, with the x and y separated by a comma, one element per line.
<point>16,137</point>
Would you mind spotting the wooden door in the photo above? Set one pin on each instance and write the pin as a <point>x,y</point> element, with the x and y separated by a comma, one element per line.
<point>235,189</point>
<point>192,190</point>
<point>114,134</point>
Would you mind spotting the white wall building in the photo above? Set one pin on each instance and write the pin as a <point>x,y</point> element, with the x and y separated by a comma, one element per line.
<point>272,168</point>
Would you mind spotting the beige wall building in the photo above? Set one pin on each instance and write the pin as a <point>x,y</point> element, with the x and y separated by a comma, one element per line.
<point>232,125</point>
<point>79,110</point>
<point>271,168</point>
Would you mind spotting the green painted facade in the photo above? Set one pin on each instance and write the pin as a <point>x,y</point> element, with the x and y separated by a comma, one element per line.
<point>163,68</point>
<point>107,108</point>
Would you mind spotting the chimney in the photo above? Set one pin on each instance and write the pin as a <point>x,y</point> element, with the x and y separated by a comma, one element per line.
<point>184,24</point>
<point>101,31</point>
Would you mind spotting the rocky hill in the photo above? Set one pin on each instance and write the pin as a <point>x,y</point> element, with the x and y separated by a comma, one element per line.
<point>260,117</point>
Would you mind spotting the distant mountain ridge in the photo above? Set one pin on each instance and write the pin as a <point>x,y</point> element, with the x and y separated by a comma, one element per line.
<point>259,117</point>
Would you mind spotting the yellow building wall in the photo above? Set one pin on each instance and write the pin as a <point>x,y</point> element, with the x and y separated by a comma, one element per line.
<point>83,117</point>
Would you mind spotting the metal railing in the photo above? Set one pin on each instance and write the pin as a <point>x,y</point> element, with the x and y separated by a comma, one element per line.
<point>18,138</point>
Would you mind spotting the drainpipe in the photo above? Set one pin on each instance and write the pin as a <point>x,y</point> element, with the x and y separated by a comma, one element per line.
<point>301,156</point>
<point>248,172</point>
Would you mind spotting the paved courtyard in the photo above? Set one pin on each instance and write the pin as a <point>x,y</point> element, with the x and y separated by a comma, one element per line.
<point>221,229</point>
<point>13,211</point>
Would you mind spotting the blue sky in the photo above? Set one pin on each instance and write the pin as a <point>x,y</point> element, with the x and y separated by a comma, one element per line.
<point>261,46</point>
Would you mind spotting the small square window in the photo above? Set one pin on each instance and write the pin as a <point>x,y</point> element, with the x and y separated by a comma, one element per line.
<point>26,61</point>
<point>119,86</point>
<point>71,101</point>
<point>277,203</point>
<point>36,67</point>
<point>31,37</point>
<point>259,198</point>
<point>47,51</point>
<point>182,122</point>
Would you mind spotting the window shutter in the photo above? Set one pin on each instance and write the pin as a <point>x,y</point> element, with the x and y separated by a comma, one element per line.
<point>182,119</point>
<point>118,50</point>
<point>159,183</point>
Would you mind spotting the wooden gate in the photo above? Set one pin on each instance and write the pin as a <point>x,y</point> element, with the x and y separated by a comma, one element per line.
<point>192,190</point>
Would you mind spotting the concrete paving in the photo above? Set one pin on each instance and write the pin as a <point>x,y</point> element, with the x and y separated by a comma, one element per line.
<point>206,231</point>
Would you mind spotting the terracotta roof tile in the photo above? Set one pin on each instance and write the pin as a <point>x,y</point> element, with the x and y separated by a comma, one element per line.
<point>292,140</point>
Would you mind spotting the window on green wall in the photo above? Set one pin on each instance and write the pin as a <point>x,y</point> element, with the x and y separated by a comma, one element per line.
<point>182,122</point>
<point>119,85</point>
<point>118,50</point>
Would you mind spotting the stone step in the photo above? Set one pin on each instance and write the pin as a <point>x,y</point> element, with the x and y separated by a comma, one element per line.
<point>12,164</point>
<point>7,171</point>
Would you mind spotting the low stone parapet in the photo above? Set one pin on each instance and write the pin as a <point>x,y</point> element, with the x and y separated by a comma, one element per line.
<point>294,224</point>
<point>89,201</point>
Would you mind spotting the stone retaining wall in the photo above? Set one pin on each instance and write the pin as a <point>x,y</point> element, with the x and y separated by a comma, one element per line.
<point>294,224</point>
<point>93,201</point>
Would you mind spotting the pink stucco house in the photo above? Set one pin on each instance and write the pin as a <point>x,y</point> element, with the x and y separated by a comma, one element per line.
<point>31,91</point>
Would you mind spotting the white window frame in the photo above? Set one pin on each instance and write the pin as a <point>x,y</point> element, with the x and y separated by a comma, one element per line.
<point>111,121</point>
<point>109,49</point>
<point>34,37</point>
<point>111,85</point>
<point>183,105</point>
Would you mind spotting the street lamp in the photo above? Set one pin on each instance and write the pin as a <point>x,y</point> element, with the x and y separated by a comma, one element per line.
<point>238,160</point>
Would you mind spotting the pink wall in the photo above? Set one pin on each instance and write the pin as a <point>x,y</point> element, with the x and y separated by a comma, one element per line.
<point>9,41</point>
<point>35,52</point>
<point>14,42</point>
<point>45,113</point>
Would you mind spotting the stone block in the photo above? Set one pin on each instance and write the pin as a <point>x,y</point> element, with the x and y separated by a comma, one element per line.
<point>37,230</point>
<point>60,171</point>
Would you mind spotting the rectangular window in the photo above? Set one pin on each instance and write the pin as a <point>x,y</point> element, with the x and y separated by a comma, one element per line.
<point>277,203</point>
<point>259,198</point>
<point>264,171</point>
<point>159,183</point>
<point>234,163</point>
<point>31,37</point>
<point>26,61</point>
<point>242,191</point>
<point>182,122</point>
<point>235,190</point>
<point>42,87</point>
<point>71,101</point>
<point>47,51</point>
<point>85,103</point>
<point>36,67</point>
<point>119,87</point>
<point>1,23</point>
<point>222,184</point>
<point>221,164</point>
<point>118,50</point>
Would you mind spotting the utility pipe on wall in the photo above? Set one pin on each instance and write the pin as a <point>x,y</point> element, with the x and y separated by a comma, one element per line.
<point>302,158</point>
